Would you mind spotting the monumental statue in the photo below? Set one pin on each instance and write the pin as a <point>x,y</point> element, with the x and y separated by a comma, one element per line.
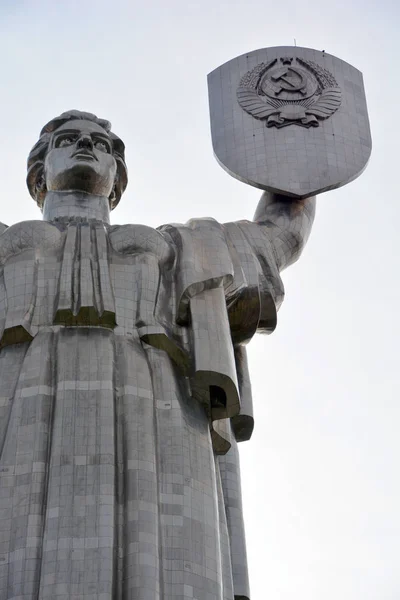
<point>124,387</point>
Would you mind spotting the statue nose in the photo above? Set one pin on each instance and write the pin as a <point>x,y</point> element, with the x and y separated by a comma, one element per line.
<point>85,141</point>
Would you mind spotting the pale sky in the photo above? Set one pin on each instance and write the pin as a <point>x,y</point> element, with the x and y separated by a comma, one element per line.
<point>320,476</point>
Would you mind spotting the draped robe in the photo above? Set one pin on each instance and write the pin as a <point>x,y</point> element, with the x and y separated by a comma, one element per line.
<point>123,393</point>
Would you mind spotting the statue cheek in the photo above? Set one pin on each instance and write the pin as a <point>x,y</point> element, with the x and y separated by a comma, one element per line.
<point>113,164</point>
<point>112,168</point>
<point>47,161</point>
<point>53,162</point>
<point>48,167</point>
<point>106,163</point>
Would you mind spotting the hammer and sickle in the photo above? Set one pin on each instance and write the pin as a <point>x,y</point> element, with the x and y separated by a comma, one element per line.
<point>286,83</point>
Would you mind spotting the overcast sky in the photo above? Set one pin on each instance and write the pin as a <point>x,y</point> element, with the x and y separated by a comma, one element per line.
<point>320,476</point>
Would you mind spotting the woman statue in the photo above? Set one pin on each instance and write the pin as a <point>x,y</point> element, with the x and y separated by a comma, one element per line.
<point>124,385</point>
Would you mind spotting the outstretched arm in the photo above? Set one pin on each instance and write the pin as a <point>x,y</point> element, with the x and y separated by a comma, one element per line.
<point>289,222</point>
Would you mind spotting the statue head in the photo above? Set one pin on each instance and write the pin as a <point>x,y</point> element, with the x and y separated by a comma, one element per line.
<point>77,152</point>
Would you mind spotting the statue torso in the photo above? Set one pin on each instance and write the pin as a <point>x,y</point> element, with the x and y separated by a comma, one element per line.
<point>82,273</point>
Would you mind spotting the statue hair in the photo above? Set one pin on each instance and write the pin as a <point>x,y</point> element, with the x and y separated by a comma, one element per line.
<point>35,176</point>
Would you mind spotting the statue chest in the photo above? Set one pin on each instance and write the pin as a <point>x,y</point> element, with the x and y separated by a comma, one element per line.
<point>85,275</point>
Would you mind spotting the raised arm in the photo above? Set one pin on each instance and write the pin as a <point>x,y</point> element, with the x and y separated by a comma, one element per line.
<point>288,221</point>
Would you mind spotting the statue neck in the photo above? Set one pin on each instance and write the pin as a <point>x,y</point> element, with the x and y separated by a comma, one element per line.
<point>75,204</point>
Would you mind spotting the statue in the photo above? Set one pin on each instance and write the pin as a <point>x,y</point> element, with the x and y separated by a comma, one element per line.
<point>124,382</point>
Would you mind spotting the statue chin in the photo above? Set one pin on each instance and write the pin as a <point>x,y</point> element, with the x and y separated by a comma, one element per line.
<point>82,176</point>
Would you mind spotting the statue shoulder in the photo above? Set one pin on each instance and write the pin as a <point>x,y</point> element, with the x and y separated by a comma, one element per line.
<point>28,234</point>
<point>137,239</point>
<point>198,230</point>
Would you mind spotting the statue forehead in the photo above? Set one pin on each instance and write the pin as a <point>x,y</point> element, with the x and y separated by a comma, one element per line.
<point>81,125</point>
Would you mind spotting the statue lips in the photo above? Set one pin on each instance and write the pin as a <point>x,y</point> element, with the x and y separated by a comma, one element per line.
<point>84,155</point>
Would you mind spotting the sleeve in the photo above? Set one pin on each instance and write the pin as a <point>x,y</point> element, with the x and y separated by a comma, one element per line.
<point>287,223</point>
<point>260,250</point>
<point>228,287</point>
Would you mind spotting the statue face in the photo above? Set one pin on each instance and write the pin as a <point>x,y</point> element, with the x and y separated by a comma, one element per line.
<point>80,158</point>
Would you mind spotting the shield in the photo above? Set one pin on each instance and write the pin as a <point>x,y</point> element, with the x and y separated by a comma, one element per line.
<point>289,120</point>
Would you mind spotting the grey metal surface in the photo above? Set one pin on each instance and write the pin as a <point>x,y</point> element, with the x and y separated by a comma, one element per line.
<point>124,385</point>
<point>289,120</point>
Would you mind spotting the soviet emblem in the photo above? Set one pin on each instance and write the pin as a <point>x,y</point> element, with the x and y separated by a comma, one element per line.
<point>289,91</point>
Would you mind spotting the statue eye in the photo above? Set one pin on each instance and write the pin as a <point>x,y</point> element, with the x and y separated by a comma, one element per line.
<point>100,145</point>
<point>66,141</point>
